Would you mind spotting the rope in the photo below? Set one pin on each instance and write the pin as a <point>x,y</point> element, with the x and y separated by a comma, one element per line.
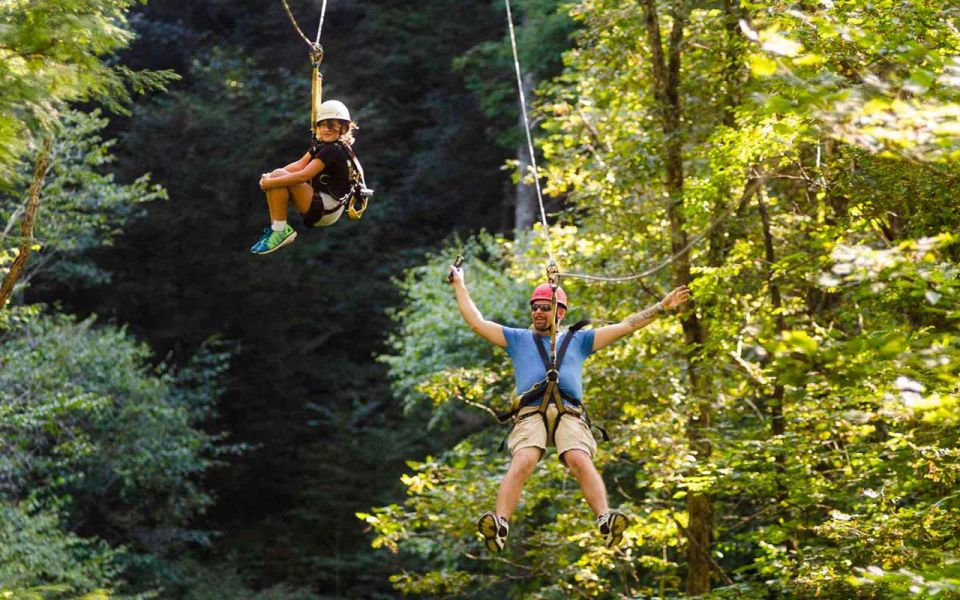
<point>316,57</point>
<point>553,277</point>
<point>526,126</point>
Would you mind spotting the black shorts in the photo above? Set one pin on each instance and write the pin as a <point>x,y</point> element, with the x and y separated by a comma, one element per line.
<point>316,211</point>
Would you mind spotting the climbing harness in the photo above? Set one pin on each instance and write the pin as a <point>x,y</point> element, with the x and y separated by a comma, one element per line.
<point>355,200</point>
<point>548,391</point>
<point>358,196</point>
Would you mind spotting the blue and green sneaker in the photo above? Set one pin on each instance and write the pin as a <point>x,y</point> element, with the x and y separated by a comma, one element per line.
<point>263,237</point>
<point>272,240</point>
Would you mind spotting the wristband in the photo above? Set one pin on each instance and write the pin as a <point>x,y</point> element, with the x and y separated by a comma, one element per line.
<point>661,309</point>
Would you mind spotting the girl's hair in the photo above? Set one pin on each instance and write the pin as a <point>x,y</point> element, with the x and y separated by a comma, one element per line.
<point>347,136</point>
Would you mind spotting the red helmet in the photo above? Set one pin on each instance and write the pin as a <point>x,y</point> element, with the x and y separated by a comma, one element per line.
<point>543,292</point>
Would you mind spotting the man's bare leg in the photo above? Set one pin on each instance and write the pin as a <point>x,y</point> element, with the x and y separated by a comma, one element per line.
<point>521,466</point>
<point>591,484</point>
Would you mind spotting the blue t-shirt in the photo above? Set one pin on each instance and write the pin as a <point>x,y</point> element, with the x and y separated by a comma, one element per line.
<point>528,366</point>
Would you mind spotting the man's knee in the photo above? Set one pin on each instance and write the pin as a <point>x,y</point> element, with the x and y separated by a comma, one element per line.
<point>577,461</point>
<point>525,459</point>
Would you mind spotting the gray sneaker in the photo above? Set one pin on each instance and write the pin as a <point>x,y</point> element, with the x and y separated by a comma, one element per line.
<point>612,525</point>
<point>494,530</point>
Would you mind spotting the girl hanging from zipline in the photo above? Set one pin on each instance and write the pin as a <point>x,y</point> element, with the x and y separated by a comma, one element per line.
<point>326,180</point>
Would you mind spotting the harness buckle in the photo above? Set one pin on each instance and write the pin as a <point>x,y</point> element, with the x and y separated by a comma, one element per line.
<point>553,375</point>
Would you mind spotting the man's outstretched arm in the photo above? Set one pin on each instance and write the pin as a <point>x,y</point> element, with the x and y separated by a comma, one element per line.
<point>638,320</point>
<point>488,330</point>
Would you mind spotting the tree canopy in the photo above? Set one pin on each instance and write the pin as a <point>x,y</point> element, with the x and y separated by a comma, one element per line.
<point>791,433</point>
<point>181,419</point>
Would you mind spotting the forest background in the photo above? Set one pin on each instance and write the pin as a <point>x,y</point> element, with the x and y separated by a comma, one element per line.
<point>180,419</point>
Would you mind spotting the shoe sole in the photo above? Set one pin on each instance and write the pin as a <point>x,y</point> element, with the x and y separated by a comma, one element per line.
<point>487,526</point>
<point>287,241</point>
<point>618,524</point>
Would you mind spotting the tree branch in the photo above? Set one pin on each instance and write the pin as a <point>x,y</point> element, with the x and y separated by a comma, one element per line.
<point>26,225</point>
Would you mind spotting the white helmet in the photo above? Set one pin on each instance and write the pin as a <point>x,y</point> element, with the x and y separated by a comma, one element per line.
<point>333,109</point>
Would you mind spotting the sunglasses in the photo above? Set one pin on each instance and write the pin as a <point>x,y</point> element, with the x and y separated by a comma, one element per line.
<point>540,307</point>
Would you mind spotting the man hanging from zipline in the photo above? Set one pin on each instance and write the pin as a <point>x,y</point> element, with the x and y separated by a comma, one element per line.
<point>530,437</point>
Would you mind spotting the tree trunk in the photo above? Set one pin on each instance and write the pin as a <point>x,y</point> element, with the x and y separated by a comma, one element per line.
<point>733,61</point>
<point>526,208</point>
<point>666,74</point>
<point>720,242</point>
<point>26,225</point>
<point>777,426</point>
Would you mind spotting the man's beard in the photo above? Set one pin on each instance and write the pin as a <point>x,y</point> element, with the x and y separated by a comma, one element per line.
<point>545,328</point>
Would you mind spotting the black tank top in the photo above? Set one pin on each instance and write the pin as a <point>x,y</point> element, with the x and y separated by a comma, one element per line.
<point>334,179</point>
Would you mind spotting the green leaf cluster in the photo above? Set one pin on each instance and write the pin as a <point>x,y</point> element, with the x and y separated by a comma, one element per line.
<point>83,207</point>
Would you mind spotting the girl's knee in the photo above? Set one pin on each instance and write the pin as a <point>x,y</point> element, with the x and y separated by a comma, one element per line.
<point>279,172</point>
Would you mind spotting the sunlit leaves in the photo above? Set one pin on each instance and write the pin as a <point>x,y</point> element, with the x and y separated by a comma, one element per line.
<point>877,76</point>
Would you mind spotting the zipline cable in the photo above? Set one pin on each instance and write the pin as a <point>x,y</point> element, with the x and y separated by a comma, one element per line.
<point>526,126</point>
<point>748,191</point>
<point>323,11</point>
<point>312,45</point>
<point>316,57</point>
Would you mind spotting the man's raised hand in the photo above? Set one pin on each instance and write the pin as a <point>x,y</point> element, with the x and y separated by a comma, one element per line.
<point>456,271</point>
<point>676,298</point>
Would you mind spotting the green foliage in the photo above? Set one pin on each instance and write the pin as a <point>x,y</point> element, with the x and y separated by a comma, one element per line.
<point>82,208</point>
<point>38,559</point>
<point>876,74</point>
<point>89,425</point>
<point>53,52</point>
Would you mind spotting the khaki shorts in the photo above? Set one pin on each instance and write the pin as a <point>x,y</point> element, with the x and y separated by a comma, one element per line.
<point>572,433</point>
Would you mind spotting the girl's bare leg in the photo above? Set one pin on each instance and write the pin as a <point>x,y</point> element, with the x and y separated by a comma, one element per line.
<point>277,201</point>
<point>301,195</point>
<point>277,198</point>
